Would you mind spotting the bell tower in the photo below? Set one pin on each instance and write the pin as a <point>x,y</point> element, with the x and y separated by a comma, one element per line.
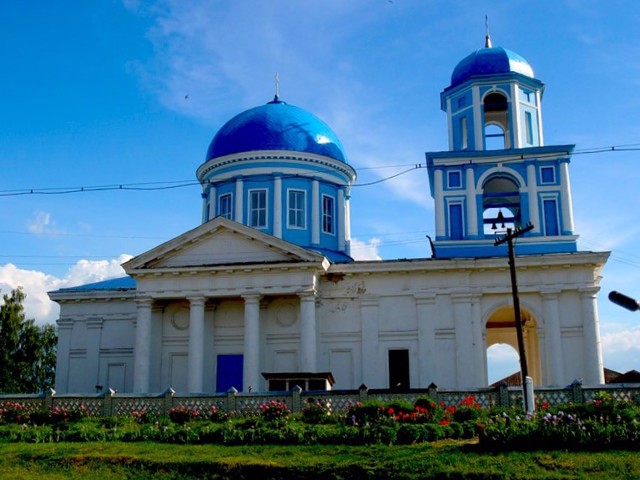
<point>498,173</point>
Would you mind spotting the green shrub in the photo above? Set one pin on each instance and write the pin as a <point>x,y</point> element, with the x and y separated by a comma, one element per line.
<point>183,414</point>
<point>274,411</point>
<point>13,412</point>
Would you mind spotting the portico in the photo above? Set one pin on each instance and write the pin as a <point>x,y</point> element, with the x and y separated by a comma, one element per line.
<point>186,301</point>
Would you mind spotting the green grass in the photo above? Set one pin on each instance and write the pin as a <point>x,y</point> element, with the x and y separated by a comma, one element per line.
<point>441,460</point>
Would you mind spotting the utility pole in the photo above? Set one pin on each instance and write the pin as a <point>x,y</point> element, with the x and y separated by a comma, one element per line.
<point>510,236</point>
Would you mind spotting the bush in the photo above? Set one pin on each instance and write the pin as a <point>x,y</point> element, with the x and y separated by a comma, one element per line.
<point>274,411</point>
<point>315,413</point>
<point>182,414</point>
<point>13,412</point>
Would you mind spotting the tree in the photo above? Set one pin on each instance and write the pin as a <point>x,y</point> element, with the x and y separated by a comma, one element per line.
<point>27,351</point>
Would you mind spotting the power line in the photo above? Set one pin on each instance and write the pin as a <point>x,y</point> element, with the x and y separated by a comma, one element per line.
<point>171,185</point>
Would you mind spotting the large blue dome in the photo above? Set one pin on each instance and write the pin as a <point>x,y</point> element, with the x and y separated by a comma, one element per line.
<point>276,126</point>
<point>490,61</point>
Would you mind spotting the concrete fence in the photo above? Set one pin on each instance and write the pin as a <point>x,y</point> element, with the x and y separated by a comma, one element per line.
<point>114,404</point>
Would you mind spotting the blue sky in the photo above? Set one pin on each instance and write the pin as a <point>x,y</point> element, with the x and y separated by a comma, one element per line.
<point>129,92</point>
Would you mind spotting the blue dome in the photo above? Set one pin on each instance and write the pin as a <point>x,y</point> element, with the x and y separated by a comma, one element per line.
<point>276,126</point>
<point>490,61</point>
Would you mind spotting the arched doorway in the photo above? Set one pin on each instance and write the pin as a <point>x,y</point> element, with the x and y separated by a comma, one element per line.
<point>501,329</point>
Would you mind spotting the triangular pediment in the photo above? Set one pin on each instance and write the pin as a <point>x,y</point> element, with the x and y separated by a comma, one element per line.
<point>221,242</point>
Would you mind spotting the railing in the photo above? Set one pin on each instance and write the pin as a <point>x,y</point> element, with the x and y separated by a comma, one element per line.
<point>120,404</point>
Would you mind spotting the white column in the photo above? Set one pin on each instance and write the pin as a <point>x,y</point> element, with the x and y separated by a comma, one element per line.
<point>372,374</point>
<point>251,373</point>
<point>277,207</point>
<point>426,316</point>
<point>565,195</point>
<point>450,123</point>
<point>593,371</point>
<point>347,221</point>
<point>205,210</point>
<point>478,346</point>
<point>195,359</point>
<point>212,203</point>
<point>472,207</point>
<point>516,128</point>
<point>239,200</point>
<point>65,326</point>
<point>142,353</point>
<point>438,199</point>
<point>539,116</point>
<point>315,212</point>
<point>92,365</point>
<point>478,129</point>
<point>553,340</point>
<point>308,333</point>
<point>465,358</point>
<point>341,221</point>
<point>532,186</point>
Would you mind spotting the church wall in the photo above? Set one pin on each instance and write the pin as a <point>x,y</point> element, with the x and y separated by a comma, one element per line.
<point>95,341</point>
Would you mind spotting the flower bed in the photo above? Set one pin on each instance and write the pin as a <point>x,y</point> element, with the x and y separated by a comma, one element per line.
<point>595,425</point>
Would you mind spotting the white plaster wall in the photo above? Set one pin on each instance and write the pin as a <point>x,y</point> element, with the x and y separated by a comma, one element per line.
<point>361,313</point>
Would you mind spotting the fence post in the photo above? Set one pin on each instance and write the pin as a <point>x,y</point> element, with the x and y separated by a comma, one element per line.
<point>107,403</point>
<point>433,392</point>
<point>168,400</point>
<point>576,390</point>
<point>296,399</point>
<point>363,393</point>
<point>503,394</point>
<point>48,400</point>
<point>231,399</point>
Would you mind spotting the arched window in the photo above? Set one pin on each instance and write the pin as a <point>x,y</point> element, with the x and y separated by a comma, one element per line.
<point>494,138</point>
<point>496,121</point>
<point>500,204</point>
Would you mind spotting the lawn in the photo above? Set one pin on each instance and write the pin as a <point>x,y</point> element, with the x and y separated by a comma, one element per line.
<point>460,459</point>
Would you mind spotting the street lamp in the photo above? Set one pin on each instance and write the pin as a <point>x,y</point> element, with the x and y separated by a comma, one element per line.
<point>624,301</point>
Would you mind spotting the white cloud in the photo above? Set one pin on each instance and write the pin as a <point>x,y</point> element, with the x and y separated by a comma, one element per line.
<point>36,284</point>
<point>365,250</point>
<point>41,223</point>
<point>621,349</point>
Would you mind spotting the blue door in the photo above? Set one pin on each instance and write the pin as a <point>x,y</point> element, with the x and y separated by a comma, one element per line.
<point>229,373</point>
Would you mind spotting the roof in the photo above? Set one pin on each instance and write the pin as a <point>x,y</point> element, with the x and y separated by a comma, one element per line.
<point>117,284</point>
<point>490,61</point>
<point>276,126</point>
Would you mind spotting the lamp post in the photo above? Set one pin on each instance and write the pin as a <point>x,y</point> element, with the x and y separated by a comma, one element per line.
<point>624,301</point>
<point>510,236</point>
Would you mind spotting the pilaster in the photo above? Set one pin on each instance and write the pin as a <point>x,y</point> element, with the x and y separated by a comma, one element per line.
<point>251,369</point>
<point>195,360</point>
<point>142,354</point>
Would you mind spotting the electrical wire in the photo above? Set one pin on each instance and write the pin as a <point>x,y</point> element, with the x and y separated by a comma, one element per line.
<point>170,185</point>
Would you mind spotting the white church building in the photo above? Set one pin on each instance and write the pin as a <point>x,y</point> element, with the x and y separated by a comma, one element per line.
<point>264,290</point>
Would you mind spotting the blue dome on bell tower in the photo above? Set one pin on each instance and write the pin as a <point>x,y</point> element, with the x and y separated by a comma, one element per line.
<point>490,61</point>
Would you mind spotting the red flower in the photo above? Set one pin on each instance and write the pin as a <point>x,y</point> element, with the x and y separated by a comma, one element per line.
<point>445,421</point>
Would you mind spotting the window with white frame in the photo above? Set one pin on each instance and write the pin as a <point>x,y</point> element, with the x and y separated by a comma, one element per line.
<point>258,208</point>
<point>464,132</point>
<point>454,179</point>
<point>528,125</point>
<point>328,214</point>
<point>456,229</point>
<point>296,207</point>
<point>551,217</point>
<point>547,175</point>
<point>225,206</point>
